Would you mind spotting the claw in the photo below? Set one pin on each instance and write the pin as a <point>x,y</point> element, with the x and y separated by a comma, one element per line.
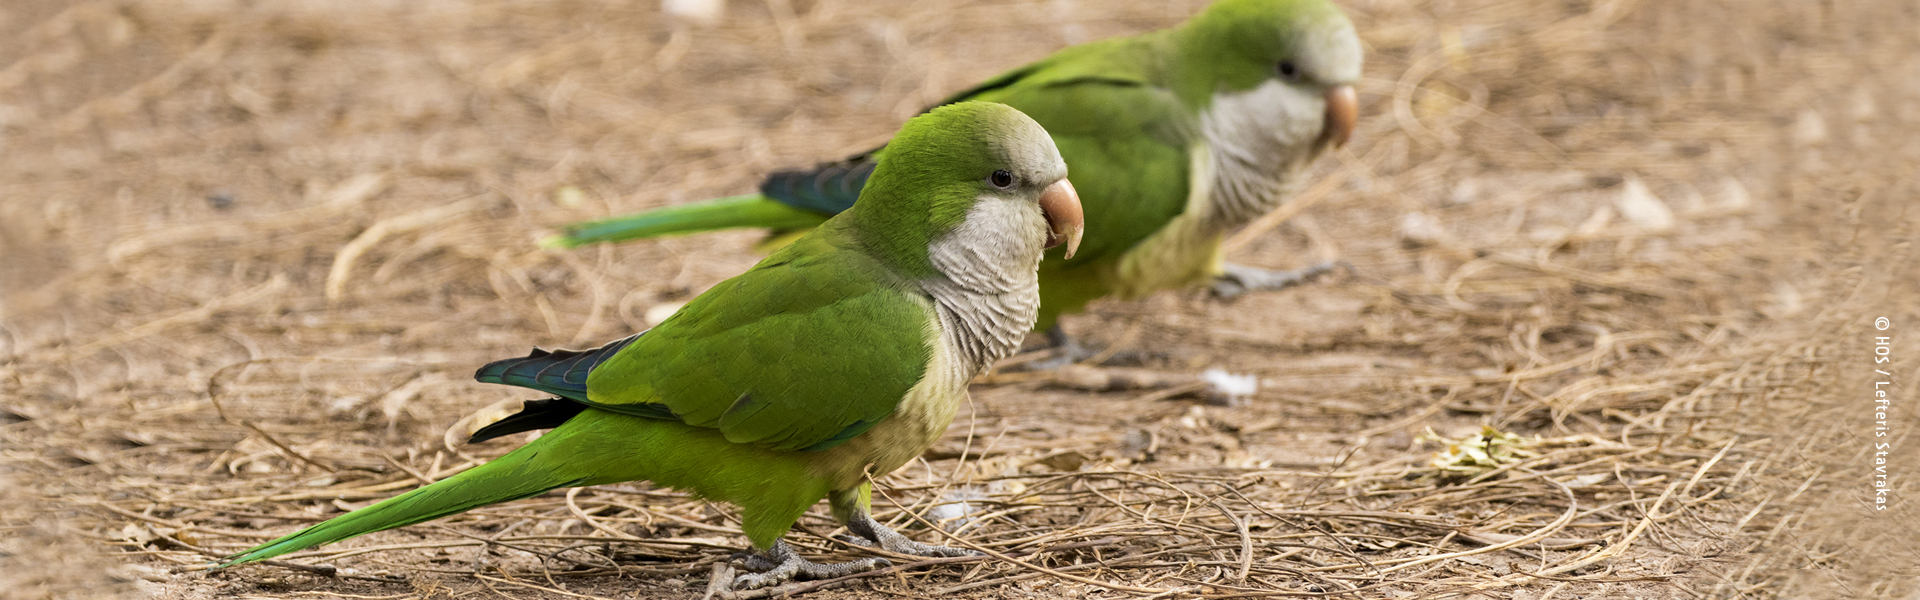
<point>752,561</point>
<point>854,540</point>
<point>781,564</point>
<point>1239,279</point>
<point>1069,351</point>
<point>879,535</point>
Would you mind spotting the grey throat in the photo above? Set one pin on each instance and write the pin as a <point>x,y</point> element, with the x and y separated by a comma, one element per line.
<point>1260,142</point>
<point>988,294</point>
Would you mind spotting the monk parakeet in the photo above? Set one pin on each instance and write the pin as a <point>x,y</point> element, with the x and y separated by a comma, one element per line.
<point>1175,137</point>
<point>843,354</point>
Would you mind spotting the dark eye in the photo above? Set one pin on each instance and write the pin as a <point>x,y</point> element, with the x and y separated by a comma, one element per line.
<point>1001,179</point>
<point>1287,69</point>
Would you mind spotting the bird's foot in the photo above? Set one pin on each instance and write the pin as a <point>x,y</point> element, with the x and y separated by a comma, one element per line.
<point>781,564</point>
<point>869,533</point>
<point>753,561</point>
<point>1066,351</point>
<point>1240,279</point>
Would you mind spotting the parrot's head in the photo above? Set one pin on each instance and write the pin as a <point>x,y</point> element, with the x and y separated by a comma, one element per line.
<point>1286,67</point>
<point>974,190</point>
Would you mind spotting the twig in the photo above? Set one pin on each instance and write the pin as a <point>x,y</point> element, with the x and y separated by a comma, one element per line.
<point>1024,564</point>
<point>800,588</point>
<point>541,588</point>
<point>590,521</point>
<point>343,261</point>
<point>201,313</point>
<point>290,452</point>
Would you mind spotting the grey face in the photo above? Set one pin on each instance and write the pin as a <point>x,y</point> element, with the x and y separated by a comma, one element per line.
<point>1332,55</point>
<point>1032,162</point>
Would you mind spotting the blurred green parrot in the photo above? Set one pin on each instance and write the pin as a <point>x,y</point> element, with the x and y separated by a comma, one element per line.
<point>843,354</point>
<point>1175,137</point>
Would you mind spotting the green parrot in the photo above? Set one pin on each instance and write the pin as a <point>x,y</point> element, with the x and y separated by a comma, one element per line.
<point>843,354</point>
<point>1175,137</point>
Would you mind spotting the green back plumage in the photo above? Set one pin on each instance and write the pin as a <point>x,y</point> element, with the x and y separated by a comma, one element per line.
<point>766,357</point>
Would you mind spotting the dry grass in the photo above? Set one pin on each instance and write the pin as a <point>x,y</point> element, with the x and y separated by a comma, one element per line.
<point>253,250</point>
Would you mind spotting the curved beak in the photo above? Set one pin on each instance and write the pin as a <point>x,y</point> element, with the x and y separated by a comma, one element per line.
<point>1343,111</point>
<point>1065,220</point>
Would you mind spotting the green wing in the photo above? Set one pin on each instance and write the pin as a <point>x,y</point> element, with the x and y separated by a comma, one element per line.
<point>810,348</point>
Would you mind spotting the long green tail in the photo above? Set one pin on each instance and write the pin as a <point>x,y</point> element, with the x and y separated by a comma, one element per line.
<point>750,210</point>
<point>518,474</point>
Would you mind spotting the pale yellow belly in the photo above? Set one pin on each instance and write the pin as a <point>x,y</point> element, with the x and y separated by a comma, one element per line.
<point>922,417</point>
<point>1183,254</point>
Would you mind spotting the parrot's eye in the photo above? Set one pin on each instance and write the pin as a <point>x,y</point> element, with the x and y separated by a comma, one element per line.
<point>1287,69</point>
<point>1001,179</point>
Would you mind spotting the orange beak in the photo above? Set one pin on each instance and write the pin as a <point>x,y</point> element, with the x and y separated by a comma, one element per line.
<point>1065,220</point>
<point>1343,110</point>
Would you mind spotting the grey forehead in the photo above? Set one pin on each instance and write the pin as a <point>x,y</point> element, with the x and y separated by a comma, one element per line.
<point>1027,147</point>
<point>1337,55</point>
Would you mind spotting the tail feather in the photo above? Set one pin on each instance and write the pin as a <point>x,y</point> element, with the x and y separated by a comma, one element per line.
<point>749,211</point>
<point>559,372</point>
<point>519,474</point>
<point>597,447</point>
<point>826,189</point>
<point>534,414</point>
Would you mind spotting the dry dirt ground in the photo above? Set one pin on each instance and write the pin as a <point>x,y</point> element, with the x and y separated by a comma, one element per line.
<point>252,250</point>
